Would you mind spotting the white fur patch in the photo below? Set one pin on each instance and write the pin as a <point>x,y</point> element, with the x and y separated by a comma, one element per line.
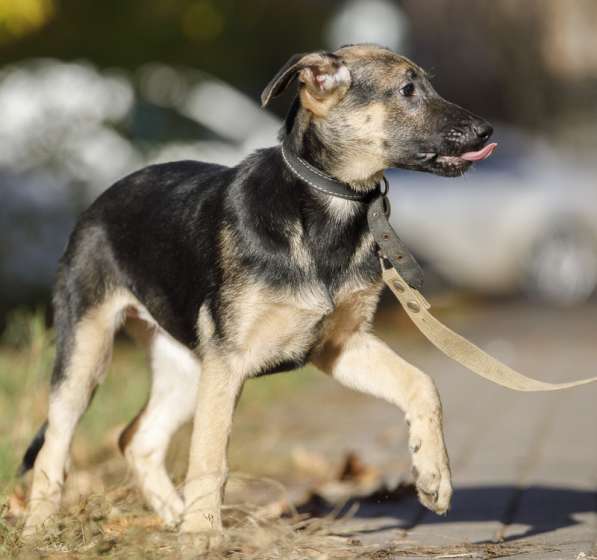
<point>328,82</point>
<point>340,209</point>
<point>176,372</point>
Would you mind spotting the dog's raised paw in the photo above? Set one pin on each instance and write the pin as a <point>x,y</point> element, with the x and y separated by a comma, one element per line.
<point>434,487</point>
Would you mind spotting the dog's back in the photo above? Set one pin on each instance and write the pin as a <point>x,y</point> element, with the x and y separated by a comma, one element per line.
<point>150,233</point>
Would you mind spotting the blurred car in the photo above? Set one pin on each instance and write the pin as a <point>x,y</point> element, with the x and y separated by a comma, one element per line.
<point>513,224</point>
<point>69,130</point>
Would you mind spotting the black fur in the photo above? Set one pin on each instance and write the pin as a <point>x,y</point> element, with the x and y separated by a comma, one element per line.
<point>33,449</point>
<point>154,233</point>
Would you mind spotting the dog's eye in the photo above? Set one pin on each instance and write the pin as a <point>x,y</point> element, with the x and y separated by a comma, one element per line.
<point>408,90</point>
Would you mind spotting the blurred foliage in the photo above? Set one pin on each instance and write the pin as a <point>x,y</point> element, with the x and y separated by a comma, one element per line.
<point>26,356</point>
<point>20,17</point>
<point>522,56</point>
<point>237,41</point>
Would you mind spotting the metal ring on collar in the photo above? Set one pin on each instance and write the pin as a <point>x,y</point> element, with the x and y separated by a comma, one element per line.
<point>386,186</point>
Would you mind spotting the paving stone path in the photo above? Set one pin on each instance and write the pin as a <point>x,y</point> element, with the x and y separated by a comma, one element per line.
<point>524,465</point>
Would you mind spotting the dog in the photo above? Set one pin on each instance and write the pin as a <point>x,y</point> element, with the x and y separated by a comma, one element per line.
<point>230,273</point>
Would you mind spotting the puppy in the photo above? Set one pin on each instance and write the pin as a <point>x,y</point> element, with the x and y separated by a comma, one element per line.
<point>231,273</point>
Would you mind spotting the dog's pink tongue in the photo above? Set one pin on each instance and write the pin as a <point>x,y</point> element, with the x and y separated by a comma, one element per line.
<point>483,153</point>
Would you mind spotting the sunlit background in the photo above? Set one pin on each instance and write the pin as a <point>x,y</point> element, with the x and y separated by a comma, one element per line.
<point>91,90</point>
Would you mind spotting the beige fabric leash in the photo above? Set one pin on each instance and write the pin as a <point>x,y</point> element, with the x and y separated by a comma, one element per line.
<point>459,348</point>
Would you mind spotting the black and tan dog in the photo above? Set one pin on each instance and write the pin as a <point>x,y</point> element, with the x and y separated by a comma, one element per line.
<point>229,273</point>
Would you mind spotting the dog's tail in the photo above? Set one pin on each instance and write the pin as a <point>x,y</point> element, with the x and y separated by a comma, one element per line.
<point>33,449</point>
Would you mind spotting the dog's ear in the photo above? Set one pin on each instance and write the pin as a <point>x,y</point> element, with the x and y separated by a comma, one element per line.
<point>323,77</point>
<point>282,79</point>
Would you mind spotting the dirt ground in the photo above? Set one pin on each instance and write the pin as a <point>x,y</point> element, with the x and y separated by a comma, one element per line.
<point>319,471</point>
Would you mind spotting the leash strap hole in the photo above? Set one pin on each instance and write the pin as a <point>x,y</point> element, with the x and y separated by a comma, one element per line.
<point>399,287</point>
<point>413,306</point>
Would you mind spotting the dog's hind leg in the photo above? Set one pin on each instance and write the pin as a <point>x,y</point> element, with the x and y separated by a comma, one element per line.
<point>144,442</point>
<point>365,363</point>
<point>84,348</point>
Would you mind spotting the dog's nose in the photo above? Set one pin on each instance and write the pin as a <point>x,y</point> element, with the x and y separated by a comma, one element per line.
<point>483,130</point>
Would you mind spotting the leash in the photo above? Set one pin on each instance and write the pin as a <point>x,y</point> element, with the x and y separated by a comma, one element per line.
<point>459,348</point>
<point>404,277</point>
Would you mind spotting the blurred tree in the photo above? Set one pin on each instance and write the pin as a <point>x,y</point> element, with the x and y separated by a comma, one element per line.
<point>18,18</point>
<point>240,42</point>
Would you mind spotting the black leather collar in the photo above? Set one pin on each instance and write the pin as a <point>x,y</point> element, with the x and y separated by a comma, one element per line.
<point>390,247</point>
<point>319,180</point>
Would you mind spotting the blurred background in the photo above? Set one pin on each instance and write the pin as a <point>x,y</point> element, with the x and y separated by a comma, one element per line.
<point>90,91</point>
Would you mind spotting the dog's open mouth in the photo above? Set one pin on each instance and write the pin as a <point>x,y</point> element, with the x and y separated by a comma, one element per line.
<point>455,164</point>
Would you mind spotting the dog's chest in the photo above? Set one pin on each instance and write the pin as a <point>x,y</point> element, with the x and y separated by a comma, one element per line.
<point>280,311</point>
<point>275,327</point>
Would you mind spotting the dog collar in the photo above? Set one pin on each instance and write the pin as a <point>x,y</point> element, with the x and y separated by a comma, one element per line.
<point>320,181</point>
<point>390,247</point>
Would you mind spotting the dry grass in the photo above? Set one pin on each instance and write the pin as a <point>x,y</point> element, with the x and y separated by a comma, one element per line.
<point>115,526</point>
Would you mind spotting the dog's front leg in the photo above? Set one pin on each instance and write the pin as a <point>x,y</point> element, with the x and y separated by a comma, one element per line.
<point>217,393</point>
<point>365,363</point>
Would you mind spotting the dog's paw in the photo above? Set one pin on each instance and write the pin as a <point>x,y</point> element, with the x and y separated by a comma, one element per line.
<point>200,532</point>
<point>40,519</point>
<point>192,544</point>
<point>432,479</point>
<point>202,522</point>
<point>171,513</point>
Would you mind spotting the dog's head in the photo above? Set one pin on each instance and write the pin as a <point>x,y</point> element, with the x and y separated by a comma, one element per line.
<point>371,109</point>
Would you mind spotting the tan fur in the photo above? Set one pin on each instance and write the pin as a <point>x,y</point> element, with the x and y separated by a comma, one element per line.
<point>363,159</point>
<point>285,320</point>
<point>261,326</point>
<point>298,252</point>
<point>92,350</point>
<point>354,312</point>
<point>361,361</point>
<point>316,98</point>
<point>319,106</point>
<point>256,313</point>
<point>206,475</point>
<point>364,51</point>
<point>127,435</point>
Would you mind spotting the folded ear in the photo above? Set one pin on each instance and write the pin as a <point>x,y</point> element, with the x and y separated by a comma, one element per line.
<point>323,76</point>
<point>282,79</point>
